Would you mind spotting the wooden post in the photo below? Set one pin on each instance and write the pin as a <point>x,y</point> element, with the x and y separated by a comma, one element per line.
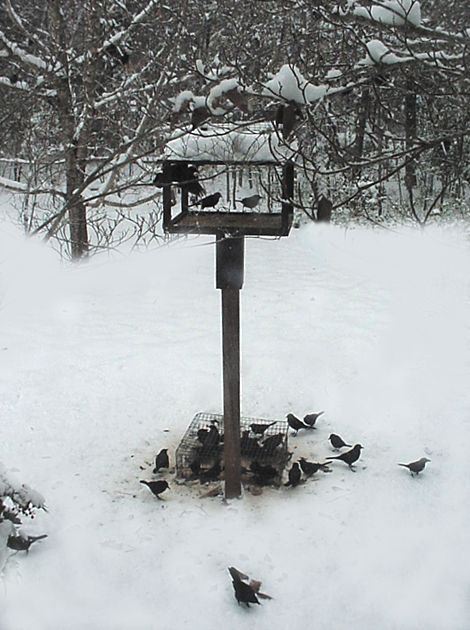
<point>229,278</point>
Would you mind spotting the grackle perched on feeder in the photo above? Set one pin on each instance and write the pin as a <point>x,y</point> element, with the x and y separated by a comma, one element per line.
<point>295,423</point>
<point>263,474</point>
<point>248,445</point>
<point>337,441</point>
<point>350,456</point>
<point>23,543</point>
<point>156,487</point>
<point>250,202</point>
<point>161,461</point>
<point>417,466</point>
<point>271,443</point>
<point>311,418</point>
<point>294,475</point>
<point>208,202</point>
<point>259,429</point>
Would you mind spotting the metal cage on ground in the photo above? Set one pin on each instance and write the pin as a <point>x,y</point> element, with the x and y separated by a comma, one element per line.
<point>263,445</point>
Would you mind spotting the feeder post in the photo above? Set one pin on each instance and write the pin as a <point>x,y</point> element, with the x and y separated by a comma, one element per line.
<point>229,278</point>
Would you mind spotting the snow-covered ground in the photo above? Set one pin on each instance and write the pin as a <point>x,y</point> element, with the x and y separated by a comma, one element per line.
<point>98,360</point>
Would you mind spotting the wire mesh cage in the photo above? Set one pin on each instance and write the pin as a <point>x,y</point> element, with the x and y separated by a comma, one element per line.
<point>264,452</point>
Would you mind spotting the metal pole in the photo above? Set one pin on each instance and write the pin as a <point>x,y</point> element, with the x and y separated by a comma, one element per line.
<point>229,278</point>
<point>231,379</point>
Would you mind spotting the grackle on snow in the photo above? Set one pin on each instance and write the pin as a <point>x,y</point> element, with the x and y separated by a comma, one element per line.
<point>350,456</point>
<point>156,487</point>
<point>294,475</point>
<point>311,418</point>
<point>295,423</point>
<point>23,543</point>
<point>243,592</point>
<point>310,468</point>
<point>417,466</point>
<point>337,441</point>
<point>161,461</point>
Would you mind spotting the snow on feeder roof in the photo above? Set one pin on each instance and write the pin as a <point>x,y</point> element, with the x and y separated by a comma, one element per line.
<point>230,143</point>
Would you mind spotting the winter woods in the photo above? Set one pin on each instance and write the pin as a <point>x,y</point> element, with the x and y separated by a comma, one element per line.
<point>372,97</point>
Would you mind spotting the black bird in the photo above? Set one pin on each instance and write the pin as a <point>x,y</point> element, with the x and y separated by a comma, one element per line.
<point>211,474</point>
<point>417,466</point>
<point>311,418</point>
<point>21,543</point>
<point>202,434</point>
<point>161,461</point>
<point>350,456</point>
<point>195,188</point>
<point>259,429</point>
<point>271,443</point>
<point>208,202</point>
<point>337,441</point>
<point>250,202</point>
<point>249,445</point>
<point>195,467</point>
<point>243,592</point>
<point>156,487</point>
<point>310,468</point>
<point>262,475</point>
<point>294,475</point>
<point>295,423</point>
<point>211,440</point>
<point>176,173</point>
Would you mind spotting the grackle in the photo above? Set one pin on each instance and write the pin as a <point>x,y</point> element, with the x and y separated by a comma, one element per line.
<point>243,592</point>
<point>23,543</point>
<point>259,429</point>
<point>248,445</point>
<point>310,468</point>
<point>295,423</point>
<point>208,202</point>
<point>195,467</point>
<point>294,475</point>
<point>311,418</point>
<point>350,456</point>
<point>262,475</point>
<point>211,474</point>
<point>161,461</point>
<point>250,202</point>
<point>416,467</point>
<point>271,443</point>
<point>337,441</point>
<point>156,487</point>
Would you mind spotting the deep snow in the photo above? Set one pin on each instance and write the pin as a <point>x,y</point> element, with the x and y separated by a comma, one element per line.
<point>99,359</point>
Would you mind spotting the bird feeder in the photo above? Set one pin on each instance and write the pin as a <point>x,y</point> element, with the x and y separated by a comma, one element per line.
<point>229,183</point>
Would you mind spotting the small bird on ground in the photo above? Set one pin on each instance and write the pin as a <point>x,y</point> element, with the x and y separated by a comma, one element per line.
<point>310,468</point>
<point>350,456</point>
<point>295,423</point>
<point>294,475</point>
<point>243,592</point>
<point>156,487</point>
<point>250,202</point>
<point>262,474</point>
<point>417,466</point>
<point>211,474</point>
<point>271,443</point>
<point>23,543</point>
<point>311,418</point>
<point>208,202</point>
<point>337,441</point>
<point>259,429</point>
<point>161,461</point>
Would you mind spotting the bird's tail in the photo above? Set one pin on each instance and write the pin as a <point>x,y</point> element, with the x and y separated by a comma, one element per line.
<point>339,456</point>
<point>350,445</point>
<point>404,465</point>
<point>146,483</point>
<point>35,538</point>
